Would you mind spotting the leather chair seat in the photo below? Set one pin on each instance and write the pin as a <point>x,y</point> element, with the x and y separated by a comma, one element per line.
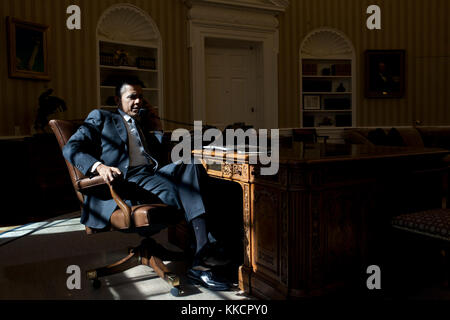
<point>144,216</point>
<point>139,217</point>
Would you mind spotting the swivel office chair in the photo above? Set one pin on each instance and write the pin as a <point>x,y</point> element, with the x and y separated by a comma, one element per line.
<point>141,219</point>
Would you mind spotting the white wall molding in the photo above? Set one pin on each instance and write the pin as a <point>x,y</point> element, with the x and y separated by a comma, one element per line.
<point>326,43</point>
<point>272,6</point>
<point>216,16</point>
<point>217,19</point>
<point>127,23</point>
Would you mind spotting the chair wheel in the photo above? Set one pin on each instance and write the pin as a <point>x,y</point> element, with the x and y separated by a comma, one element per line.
<point>175,291</point>
<point>96,283</point>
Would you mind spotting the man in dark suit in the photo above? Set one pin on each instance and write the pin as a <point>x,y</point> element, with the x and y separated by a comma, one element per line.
<point>120,147</point>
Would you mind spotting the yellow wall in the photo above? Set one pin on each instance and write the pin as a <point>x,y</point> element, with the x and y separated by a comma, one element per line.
<point>73,59</point>
<point>421,27</point>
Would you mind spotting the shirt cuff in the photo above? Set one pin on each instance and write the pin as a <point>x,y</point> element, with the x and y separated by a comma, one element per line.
<point>94,166</point>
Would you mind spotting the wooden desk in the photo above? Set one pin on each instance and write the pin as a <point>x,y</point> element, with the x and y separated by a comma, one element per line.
<point>320,222</point>
<point>36,184</point>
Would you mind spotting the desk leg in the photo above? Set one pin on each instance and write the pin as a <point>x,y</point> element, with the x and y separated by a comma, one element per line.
<point>246,270</point>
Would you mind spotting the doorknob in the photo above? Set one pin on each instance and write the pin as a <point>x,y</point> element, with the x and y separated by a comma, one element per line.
<point>253,109</point>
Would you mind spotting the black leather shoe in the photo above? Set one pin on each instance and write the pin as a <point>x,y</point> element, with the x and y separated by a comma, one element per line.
<point>208,280</point>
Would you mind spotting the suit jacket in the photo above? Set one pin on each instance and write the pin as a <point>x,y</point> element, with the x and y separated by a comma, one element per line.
<point>103,137</point>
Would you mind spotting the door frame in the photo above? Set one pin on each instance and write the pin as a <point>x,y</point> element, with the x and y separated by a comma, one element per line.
<point>257,27</point>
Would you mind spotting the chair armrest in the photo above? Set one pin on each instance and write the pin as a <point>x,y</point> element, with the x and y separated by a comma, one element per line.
<point>86,183</point>
<point>123,206</point>
<point>89,183</point>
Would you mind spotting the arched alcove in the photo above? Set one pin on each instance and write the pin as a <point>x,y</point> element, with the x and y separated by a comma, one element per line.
<point>327,80</point>
<point>129,44</point>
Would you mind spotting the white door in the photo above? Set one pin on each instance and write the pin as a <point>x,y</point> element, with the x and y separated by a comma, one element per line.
<point>231,85</point>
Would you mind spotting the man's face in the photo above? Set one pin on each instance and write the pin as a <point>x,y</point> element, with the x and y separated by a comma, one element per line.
<point>131,100</point>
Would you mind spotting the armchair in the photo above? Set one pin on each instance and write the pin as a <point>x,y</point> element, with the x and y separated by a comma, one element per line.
<point>146,219</point>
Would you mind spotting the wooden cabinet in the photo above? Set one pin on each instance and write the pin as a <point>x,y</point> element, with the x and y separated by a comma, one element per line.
<point>36,184</point>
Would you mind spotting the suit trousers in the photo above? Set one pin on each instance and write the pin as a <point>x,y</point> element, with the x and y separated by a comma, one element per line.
<point>177,185</point>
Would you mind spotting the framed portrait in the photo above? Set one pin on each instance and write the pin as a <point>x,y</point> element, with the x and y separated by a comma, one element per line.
<point>311,102</point>
<point>27,49</point>
<point>385,73</point>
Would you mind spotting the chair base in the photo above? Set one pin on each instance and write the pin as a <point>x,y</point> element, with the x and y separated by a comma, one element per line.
<point>144,254</point>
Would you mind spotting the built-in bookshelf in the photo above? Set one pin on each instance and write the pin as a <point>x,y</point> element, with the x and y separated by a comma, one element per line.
<point>326,81</point>
<point>129,46</point>
<point>118,61</point>
<point>326,93</point>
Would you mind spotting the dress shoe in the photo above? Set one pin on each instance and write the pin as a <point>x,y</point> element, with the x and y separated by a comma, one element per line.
<point>208,280</point>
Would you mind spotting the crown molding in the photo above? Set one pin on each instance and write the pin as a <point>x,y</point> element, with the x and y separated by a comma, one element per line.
<point>273,6</point>
<point>236,13</point>
<point>236,18</point>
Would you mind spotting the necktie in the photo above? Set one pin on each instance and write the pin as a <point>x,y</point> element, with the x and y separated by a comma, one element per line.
<point>140,137</point>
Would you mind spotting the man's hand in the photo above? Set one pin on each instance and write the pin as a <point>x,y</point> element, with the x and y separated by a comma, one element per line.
<point>109,174</point>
